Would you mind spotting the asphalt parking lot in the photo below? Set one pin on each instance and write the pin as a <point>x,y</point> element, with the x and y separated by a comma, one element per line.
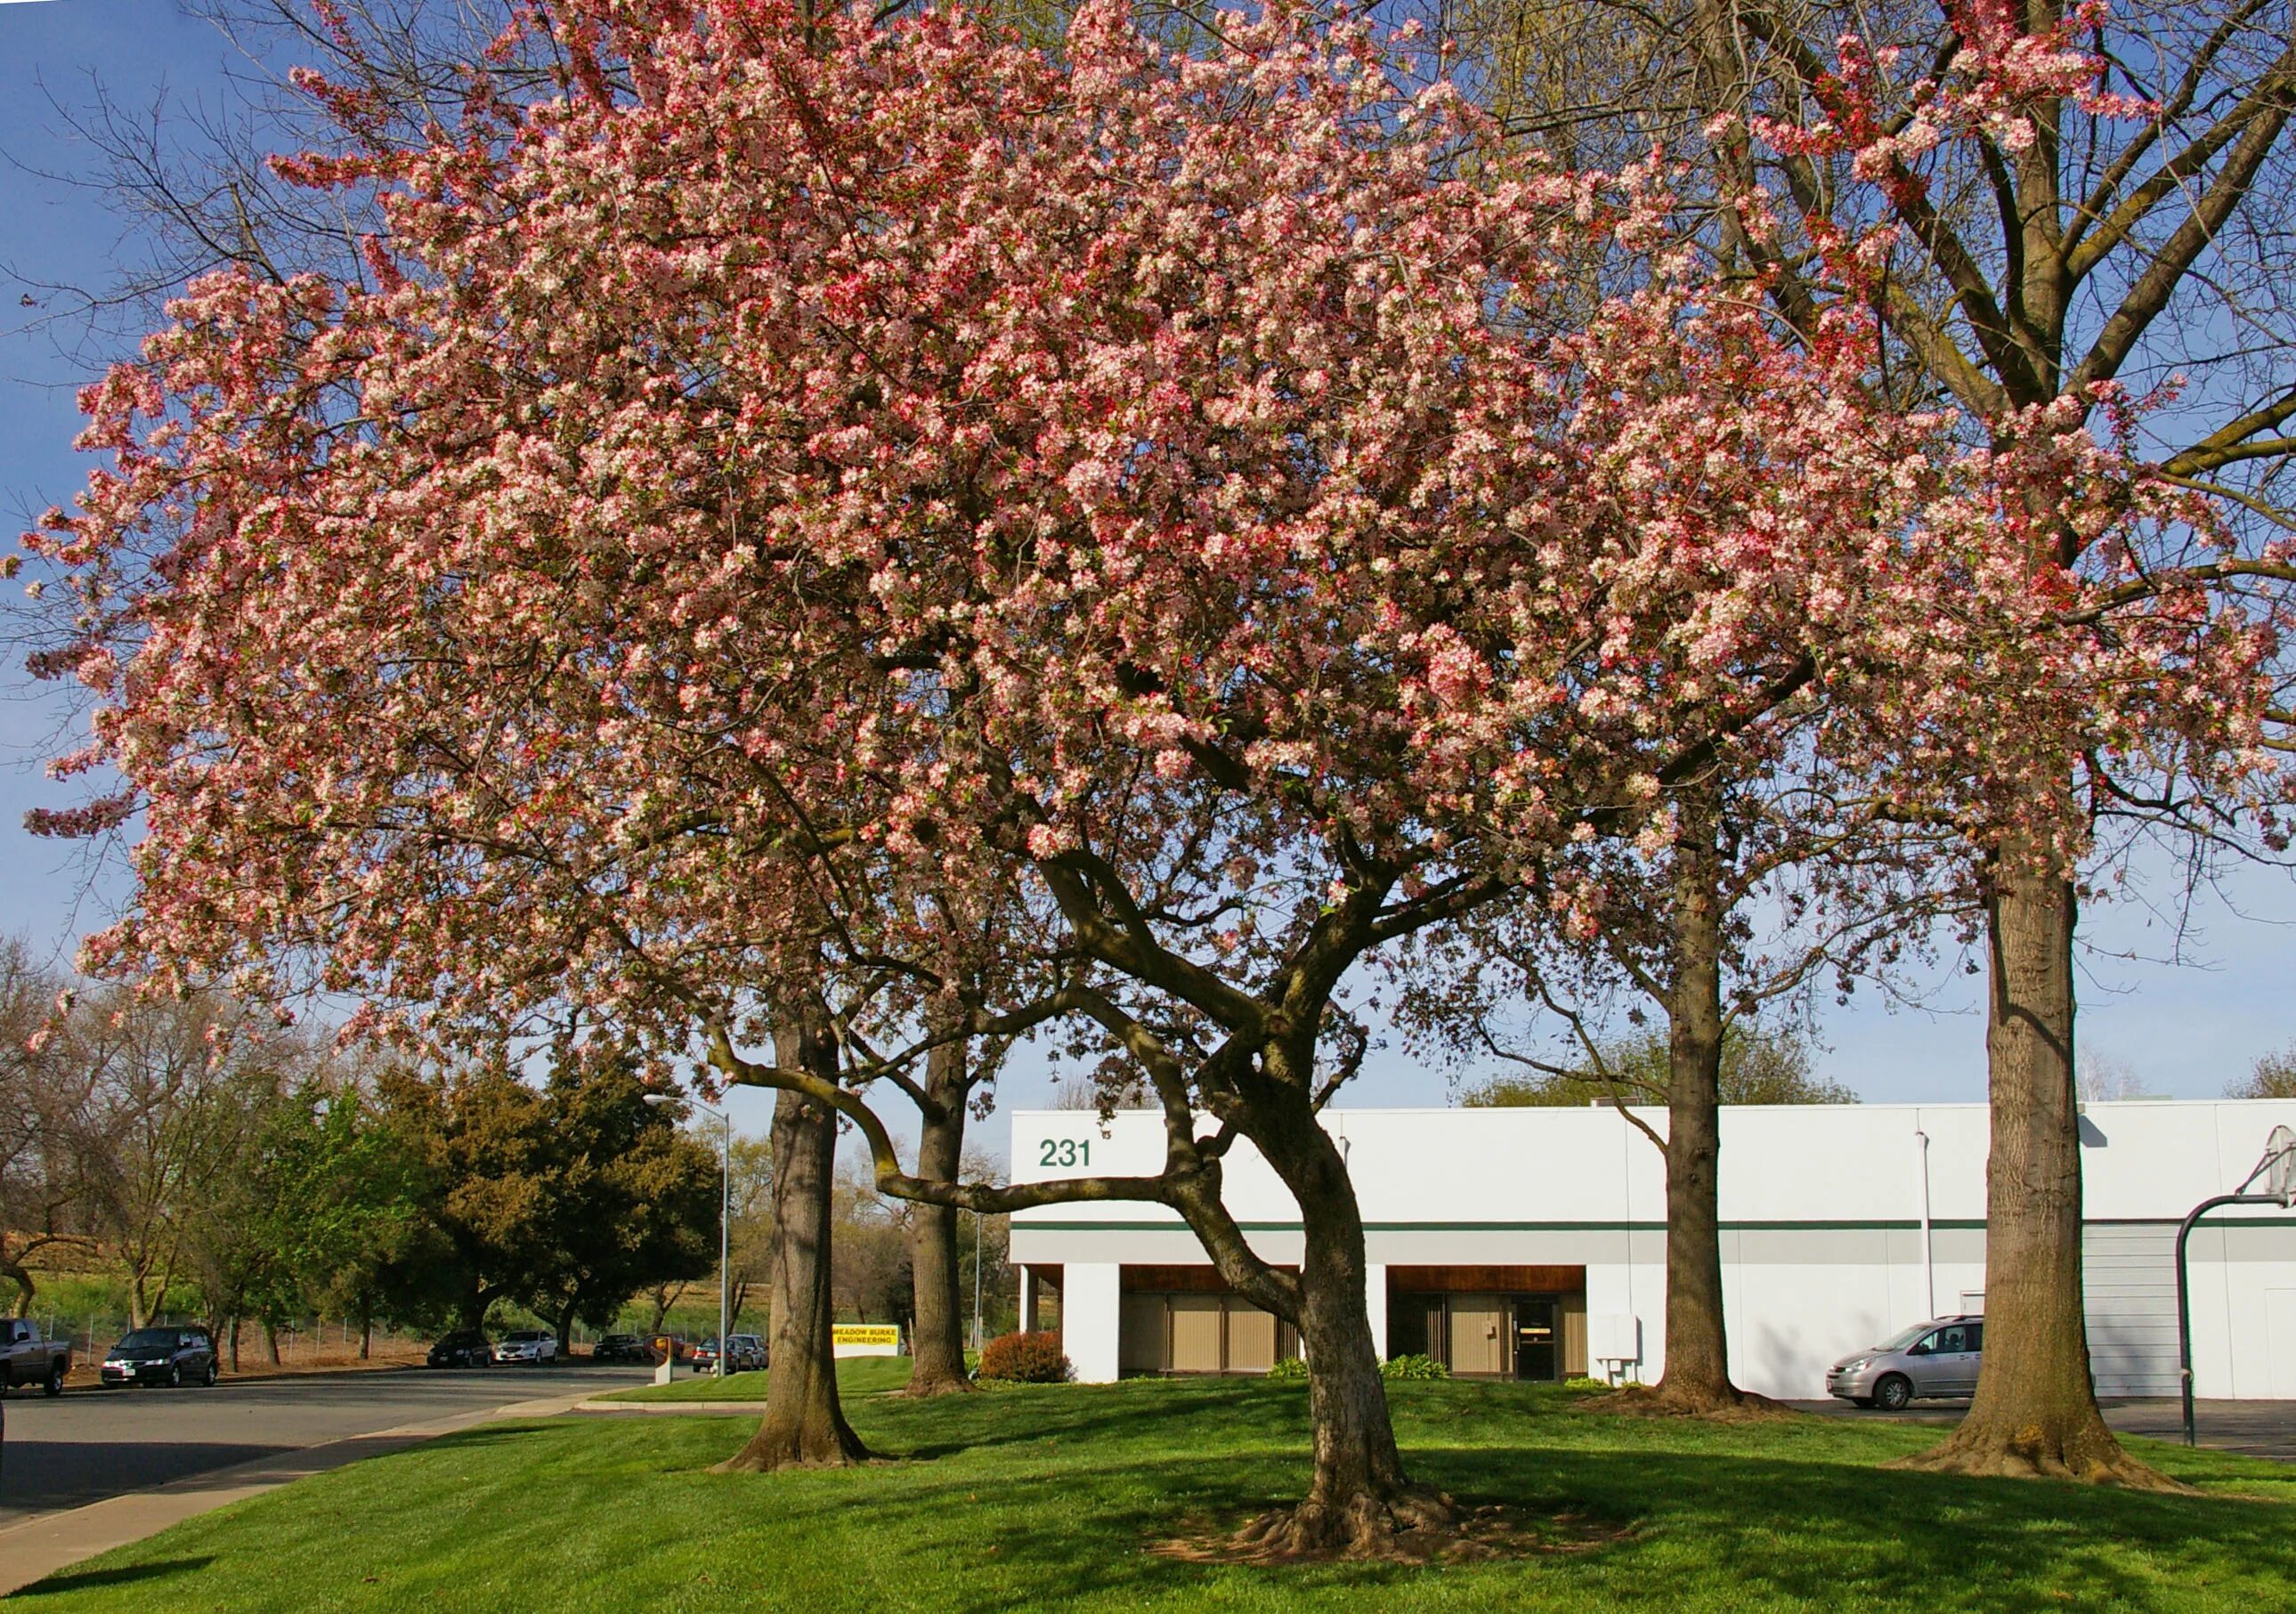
<point>2256,1429</point>
<point>88,1443</point>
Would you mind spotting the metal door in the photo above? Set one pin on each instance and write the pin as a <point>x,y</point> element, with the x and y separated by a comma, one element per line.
<point>2129,1289</point>
<point>1537,1338</point>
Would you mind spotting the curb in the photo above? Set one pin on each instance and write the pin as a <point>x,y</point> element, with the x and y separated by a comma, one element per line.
<point>39,1548</point>
<point>754,1408</point>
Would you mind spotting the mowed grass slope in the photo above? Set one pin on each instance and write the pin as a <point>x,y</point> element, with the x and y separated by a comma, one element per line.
<point>1052,1498</point>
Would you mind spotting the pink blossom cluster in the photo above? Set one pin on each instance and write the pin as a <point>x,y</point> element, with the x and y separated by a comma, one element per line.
<point>834,479</point>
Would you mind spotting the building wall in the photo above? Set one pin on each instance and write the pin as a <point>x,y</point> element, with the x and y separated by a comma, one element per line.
<point>1822,1209</point>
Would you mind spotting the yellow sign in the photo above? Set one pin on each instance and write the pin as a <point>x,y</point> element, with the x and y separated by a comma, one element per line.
<point>865,1333</point>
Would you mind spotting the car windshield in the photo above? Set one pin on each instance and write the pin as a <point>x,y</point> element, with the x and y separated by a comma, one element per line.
<point>1899,1340</point>
<point>148,1338</point>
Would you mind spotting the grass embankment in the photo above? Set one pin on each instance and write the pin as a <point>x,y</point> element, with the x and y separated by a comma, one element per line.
<point>1054,1498</point>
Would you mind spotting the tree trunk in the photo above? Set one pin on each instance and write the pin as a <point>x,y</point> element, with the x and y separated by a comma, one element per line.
<point>1697,1376</point>
<point>566,1329</point>
<point>18,1273</point>
<point>366,1334</point>
<point>804,1425</point>
<point>271,1340</point>
<point>1360,1500</point>
<point>235,1341</point>
<point>937,1336</point>
<point>2035,1412</point>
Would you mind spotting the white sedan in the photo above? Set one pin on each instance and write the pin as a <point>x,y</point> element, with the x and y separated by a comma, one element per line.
<point>534,1345</point>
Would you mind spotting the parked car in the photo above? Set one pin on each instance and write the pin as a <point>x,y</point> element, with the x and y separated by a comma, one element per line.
<point>177,1356</point>
<point>534,1345</point>
<point>464,1348</point>
<point>623,1348</point>
<point>1937,1358</point>
<point>743,1354</point>
<point>27,1358</point>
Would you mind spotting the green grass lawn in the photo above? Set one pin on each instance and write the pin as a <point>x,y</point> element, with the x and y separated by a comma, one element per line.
<point>1051,1498</point>
<point>855,1376</point>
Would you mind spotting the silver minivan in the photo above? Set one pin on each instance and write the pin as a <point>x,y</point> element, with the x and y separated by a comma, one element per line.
<point>1936,1358</point>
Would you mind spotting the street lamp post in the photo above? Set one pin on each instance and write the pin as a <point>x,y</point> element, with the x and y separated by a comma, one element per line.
<point>724,1210</point>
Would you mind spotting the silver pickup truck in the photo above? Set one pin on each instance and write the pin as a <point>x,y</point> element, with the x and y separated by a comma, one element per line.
<point>26,1358</point>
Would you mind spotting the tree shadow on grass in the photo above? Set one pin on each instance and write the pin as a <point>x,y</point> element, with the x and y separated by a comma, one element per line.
<point>1719,1531</point>
<point>1218,1414</point>
<point>82,1580</point>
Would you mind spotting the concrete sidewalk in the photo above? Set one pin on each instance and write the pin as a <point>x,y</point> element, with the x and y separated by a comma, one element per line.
<point>41,1546</point>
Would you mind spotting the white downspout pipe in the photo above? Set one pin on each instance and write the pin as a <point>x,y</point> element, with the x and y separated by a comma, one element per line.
<point>1929,1263</point>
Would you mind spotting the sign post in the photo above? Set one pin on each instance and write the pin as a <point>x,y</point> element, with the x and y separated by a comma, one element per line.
<point>864,1340</point>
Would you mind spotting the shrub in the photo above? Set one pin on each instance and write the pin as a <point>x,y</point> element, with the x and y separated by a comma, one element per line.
<point>1582,1383</point>
<point>1291,1370</point>
<point>1413,1367</point>
<point>1025,1359</point>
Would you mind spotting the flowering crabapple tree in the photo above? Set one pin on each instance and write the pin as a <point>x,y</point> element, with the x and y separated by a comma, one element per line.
<point>2040,202</point>
<point>1163,503</point>
<point>2043,205</point>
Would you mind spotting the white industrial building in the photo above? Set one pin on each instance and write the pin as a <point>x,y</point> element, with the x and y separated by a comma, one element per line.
<point>1531,1242</point>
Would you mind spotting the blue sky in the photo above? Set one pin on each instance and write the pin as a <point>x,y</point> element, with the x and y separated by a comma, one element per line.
<point>2181,1031</point>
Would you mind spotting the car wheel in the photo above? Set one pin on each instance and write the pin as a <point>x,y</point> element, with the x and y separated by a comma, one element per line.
<point>55,1384</point>
<point>175,1375</point>
<point>212,1373</point>
<point>1893,1392</point>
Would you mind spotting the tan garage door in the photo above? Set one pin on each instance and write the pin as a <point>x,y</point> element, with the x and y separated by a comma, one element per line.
<point>1144,1343</point>
<point>1195,1333</point>
<point>1481,1335</point>
<point>1574,1336</point>
<point>1250,1338</point>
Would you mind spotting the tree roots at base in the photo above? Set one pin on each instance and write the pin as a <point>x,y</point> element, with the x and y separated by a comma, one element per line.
<point>1421,1527</point>
<point>925,1390</point>
<point>1414,1523</point>
<point>2088,1456</point>
<point>842,1449</point>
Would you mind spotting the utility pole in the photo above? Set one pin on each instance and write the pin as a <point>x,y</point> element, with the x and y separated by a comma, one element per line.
<point>724,1211</point>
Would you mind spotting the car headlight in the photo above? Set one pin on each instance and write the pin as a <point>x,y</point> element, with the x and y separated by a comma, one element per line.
<point>1858,1366</point>
<point>115,1362</point>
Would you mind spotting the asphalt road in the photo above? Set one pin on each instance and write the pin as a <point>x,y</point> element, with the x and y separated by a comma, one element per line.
<point>2258,1429</point>
<point>87,1445</point>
